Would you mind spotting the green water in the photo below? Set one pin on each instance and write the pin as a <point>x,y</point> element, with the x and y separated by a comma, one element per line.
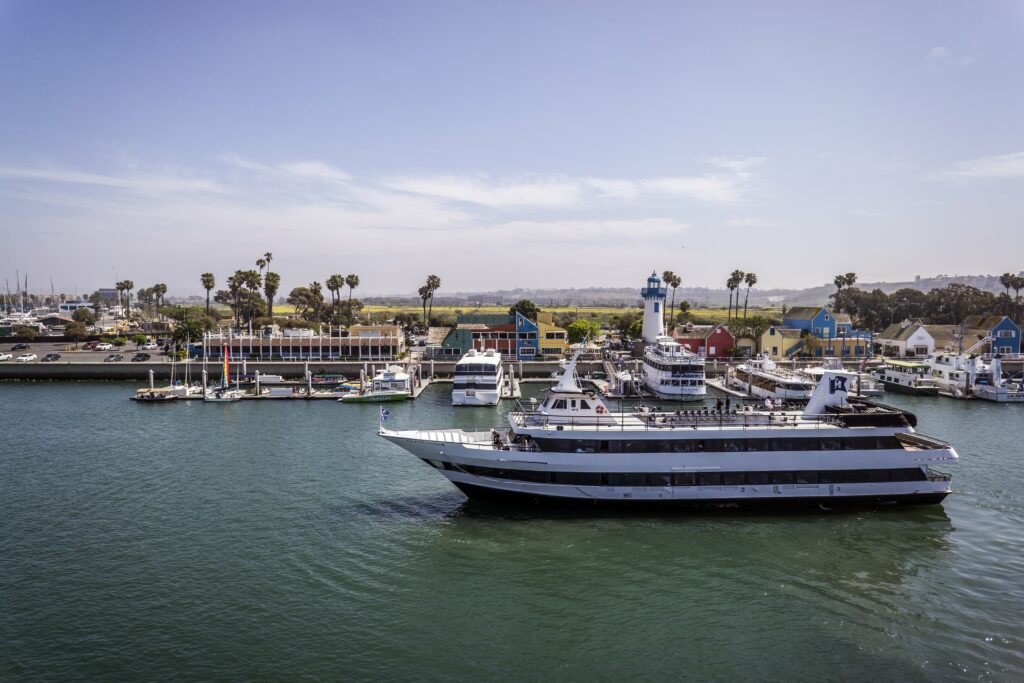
<point>255,541</point>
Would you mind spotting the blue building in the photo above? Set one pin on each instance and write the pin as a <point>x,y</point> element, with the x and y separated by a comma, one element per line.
<point>835,330</point>
<point>1006,333</point>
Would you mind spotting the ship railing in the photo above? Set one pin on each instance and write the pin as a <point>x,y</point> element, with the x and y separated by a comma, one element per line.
<point>935,475</point>
<point>669,421</point>
<point>919,442</point>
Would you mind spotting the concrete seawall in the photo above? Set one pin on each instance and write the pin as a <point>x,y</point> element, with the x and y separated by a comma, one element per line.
<point>65,371</point>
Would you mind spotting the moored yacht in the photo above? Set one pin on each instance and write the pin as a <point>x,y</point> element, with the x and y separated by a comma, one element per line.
<point>573,448</point>
<point>995,386</point>
<point>907,377</point>
<point>863,383</point>
<point>763,378</point>
<point>390,384</point>
<point>670,370</point>
<point>478,379</point>
<point>955,374</point>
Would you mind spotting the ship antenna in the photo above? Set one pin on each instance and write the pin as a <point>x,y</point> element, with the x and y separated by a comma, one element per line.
<point>568,382</point>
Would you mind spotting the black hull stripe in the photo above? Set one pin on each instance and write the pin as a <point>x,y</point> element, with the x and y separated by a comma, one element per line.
<point>487,493</point>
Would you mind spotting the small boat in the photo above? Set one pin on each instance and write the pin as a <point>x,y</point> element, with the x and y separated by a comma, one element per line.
<point>994,386</point>
<point>478,379</point>
<point>908,377</point>
<point>863,383</point>
<point>391,384</point>
<point>762,378</point>
<point>222,395</point>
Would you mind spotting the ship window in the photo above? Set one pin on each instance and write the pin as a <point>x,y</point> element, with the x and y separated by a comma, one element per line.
<point>908,474</point>
<point>623,479</point>
<point>559,404</point>
<point>782,477</point>
<point>830,444</point>
<point>734,478</point>
<point>684,479</point>
<point>584,405</point>
<point>657,479</point>
<point>806,477</point>
<point>709,478</point>
<point>876,476</point>
<point>758,478</point>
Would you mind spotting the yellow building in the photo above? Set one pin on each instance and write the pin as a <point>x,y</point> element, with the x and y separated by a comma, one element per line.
<point>779,342</point>
<point>551,339</point>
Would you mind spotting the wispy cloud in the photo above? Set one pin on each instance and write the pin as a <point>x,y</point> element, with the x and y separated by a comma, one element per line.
<point>289,206</point>
<point>1000,166</point>
<point>945,56</point>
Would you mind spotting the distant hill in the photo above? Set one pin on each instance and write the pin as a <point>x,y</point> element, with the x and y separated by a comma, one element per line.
<point>698,297</point>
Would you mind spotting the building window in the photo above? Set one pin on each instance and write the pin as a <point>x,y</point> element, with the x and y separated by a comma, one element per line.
<point>656,306</point>
<point>1005,334</point>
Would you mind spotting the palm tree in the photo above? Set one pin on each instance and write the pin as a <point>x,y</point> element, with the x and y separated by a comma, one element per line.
<point>433,284</point>
<point>128,287</point>
<point>1017,284</point>
<point>850,279</point>
<point>252,281</point>
<point>271,283</point>
<point>334,284</point>
<point>672,280</point>
<point>751,280</point>
<point>318,297</point>
<point>208,284</point>
<point>424,293</point>
<point>1006,280</point>
<point>268,257</point>
<point>734,284</point>
<point>352,280</point>
<point>261,263</point>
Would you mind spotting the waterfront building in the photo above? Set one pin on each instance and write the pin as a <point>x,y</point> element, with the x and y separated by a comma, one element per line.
<point>1005,333</point>
<point>69,307</point>
<point>514,337</point>
<point>834,330</point>
<point>362,342</point>
<point>905,339</point>
<point>710,341</point>
<point>780,343</point>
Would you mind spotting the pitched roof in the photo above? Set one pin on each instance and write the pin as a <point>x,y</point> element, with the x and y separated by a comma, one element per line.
<point>901,331</point>
<point>946,336</point>
<point>983,322</point>
<point>436,335</point>
<point>802,312</point>
<point>844,318</point>
<point>788,332</point>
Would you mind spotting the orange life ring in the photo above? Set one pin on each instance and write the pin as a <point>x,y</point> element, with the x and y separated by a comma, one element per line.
<point>600,410</point>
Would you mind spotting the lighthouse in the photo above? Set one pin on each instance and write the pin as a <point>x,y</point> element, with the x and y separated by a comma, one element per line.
<point>654,309</point>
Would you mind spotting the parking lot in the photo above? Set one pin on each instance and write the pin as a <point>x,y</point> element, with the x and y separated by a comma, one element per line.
<point>79,355</point>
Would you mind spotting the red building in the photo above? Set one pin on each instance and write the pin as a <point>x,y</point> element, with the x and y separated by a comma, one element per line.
<point>710,340</point>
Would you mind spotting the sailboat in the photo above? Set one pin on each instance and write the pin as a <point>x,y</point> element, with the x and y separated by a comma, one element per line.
<point>224,393</point>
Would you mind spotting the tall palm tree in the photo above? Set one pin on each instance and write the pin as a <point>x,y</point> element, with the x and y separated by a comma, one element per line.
<point>751,280</point>
<point>1018,284</point>
<point>671,280</point>
<point>1006,280</point>
<point>128,287</point>
<point>433,284</point>
<point>424,293</point>
<point>268,257</point>
<point>318,297</point>
<point>734,284</point>
<point>271,283</point>
<point>334,284</point>
<point>261,263</point>
<point>252,281</point>
<point>352,280</point>
<point>208,283</point>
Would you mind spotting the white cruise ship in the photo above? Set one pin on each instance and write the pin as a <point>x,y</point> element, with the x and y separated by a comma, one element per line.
<point>955,374</point>
<point>573,448</point>
<point>762,378</point>
<point>670,370</point>
<point>478,379</point>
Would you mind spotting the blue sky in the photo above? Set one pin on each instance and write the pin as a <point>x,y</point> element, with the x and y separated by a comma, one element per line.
<point>510,144</point>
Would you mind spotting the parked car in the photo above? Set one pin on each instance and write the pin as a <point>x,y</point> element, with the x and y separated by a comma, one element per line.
<point>104,346</point>
<point>51,357</point>
<point>27,358</point>
<point>20,347</point>
<point>113,358</point>
<point>139,357</point>
<point>150,346</point>
<point>90,346</point>
<point>5,356</point>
